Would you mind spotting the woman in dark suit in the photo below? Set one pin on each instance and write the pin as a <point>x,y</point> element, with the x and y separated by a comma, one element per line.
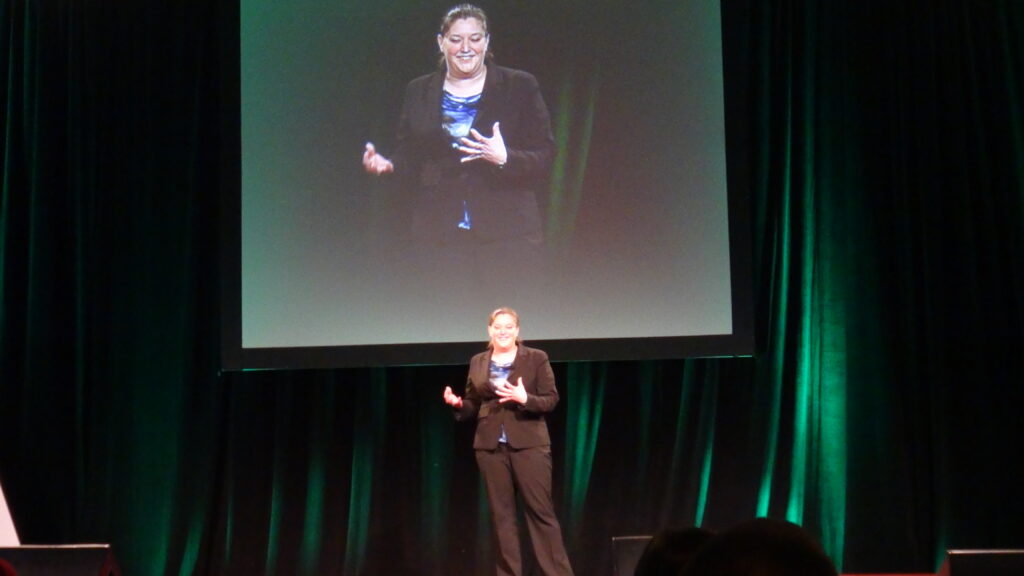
<point>475,143</point>
<point>509,390</point>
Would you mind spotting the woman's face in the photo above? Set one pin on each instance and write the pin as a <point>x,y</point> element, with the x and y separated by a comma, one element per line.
<point>503,332</point>
<point>464,47</point>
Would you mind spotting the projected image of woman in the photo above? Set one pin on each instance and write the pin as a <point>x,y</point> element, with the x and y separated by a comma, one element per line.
<point>475,143</point>
<point>509,390</point>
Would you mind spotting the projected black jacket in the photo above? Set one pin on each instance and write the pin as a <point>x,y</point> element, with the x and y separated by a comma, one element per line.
<point>501,201</point>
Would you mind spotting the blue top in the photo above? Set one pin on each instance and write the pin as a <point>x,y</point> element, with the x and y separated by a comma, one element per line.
<point>499,373</point>
<point>457,115</point>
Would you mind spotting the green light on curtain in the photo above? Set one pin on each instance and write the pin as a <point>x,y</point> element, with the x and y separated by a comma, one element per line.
<point>191,553</point>
<point>833,454</point>
<point>273,538</point>
<point>436,464</point>
<point>582,156</point>
<point>316,484</point>
<point>808,292</point>
<point>583,422</point>
<point>280,450</point>
<point>312,530</point>
<point>229,513</point>
<point>775,359</point>
<point>566,175</point>
<point>798,473</point>
<point>559,169</point>
<point>691,385</point>
<point>773,363</point>
<point>806,346</point>
<point>707,426</point>
<point>359,509</point>
<point>369,428</point>
<point>705,480</point>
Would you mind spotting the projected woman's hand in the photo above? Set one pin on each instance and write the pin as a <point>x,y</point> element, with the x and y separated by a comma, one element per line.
<point>375,163</point>
<point>451,399</point>
<point>480,147</point>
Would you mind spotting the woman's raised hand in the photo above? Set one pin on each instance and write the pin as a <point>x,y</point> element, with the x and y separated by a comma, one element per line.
<point>509,392</point>
<point>451,399</point>
<point>375,163</point>
<point>479,147</point>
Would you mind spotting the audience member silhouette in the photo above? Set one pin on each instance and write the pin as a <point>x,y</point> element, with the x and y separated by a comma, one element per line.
<point>761,547</point>
<point>669,551</point>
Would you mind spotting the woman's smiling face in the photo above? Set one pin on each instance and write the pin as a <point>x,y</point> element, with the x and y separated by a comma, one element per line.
<point>504,330</point>
<point>464,46</point>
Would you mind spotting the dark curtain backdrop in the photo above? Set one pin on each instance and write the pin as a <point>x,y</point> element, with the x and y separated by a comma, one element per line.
<point>882,146</point>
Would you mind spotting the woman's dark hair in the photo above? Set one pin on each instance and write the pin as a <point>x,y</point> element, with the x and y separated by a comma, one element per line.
<point>462,12</point>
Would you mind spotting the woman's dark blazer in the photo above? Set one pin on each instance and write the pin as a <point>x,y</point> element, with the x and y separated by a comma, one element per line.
<point>525,425</point>
<point>501,200</point>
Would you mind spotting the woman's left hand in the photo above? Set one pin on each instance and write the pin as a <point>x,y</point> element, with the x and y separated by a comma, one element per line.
<point>512,393</point>
<point>479,147</point>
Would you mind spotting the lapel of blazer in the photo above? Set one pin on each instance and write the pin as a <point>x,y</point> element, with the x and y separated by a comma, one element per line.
<point>490,102</point>
<point>432,103</point>
<point>517,365</point>
<point>481,370</point>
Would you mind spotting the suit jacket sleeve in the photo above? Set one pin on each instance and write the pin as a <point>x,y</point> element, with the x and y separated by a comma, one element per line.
<point>530,143</point>
<point>415,105</point>
<point>541,392</point>
<point>471,398</point>
<point>470,405</point>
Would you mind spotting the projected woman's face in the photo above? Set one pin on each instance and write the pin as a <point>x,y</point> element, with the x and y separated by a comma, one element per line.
<point>503,332</point>
<point>464,47</point>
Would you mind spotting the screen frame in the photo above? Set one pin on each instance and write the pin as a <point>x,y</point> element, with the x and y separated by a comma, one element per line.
<point>234,356</point>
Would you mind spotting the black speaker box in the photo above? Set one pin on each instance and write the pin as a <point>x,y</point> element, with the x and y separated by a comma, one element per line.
<point>983,563</point>
<point>74,560</point>
<point>626,552</point>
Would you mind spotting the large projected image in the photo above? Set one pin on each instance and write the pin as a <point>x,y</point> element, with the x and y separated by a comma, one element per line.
<point>402,178</point>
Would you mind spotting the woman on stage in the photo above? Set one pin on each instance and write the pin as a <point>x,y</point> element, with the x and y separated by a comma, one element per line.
<point>509,390</point>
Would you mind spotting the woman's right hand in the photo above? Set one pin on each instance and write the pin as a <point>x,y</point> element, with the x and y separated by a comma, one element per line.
<point>375,163</point>
<point>451,399</point>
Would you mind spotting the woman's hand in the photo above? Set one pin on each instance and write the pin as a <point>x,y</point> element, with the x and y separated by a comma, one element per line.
<point>451,399</point>
<point>509,393</point>
<point>375,163</point>
<point>480,147</point>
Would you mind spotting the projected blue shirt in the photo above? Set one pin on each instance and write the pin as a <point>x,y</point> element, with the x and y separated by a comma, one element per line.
<point>457,115</point>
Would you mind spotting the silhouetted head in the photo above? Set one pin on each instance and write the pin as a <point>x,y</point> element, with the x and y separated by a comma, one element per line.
<point>670,550</point>
<point>761,547</point>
